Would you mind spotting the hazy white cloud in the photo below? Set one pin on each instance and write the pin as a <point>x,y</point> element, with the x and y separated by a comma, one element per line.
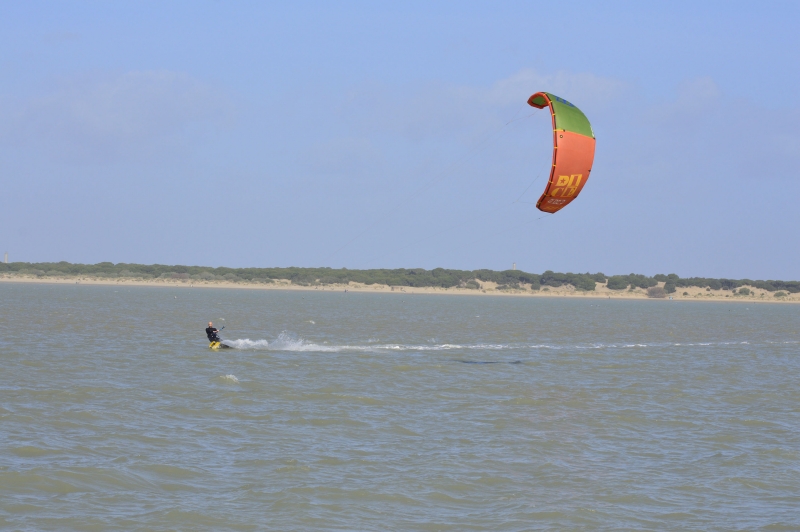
<point>135,114</point>
<point>583,89</point>
<point>695,97</point>
<point>445,110</point>
<point>703,130</point>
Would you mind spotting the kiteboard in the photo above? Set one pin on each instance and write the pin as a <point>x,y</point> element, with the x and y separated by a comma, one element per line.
<point>218,345</point>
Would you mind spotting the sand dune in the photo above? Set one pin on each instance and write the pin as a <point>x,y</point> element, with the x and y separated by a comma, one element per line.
<point>487,289</point>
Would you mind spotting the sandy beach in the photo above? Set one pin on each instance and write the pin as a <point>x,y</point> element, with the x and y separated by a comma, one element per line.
<point>487,289</point>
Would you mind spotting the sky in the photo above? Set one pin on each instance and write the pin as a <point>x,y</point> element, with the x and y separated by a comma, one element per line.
<point>397,135</point>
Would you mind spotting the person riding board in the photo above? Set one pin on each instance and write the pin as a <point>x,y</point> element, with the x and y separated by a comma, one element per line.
<point>212,333</point>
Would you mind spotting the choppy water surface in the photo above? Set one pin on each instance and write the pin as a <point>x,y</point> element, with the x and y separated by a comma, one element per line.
<point>394,412</point>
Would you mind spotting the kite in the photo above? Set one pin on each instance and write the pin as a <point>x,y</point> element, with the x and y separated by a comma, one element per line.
<point>573,152</point>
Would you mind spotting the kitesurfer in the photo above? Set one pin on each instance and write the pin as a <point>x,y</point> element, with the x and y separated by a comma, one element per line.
<point>211,332</point>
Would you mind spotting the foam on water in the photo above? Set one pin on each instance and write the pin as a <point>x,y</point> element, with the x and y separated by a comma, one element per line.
<point>231,378</point>
<point>246,343</point>
<point>288,342</point>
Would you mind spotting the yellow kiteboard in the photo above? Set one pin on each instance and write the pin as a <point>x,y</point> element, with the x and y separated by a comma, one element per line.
<point>218,345</point>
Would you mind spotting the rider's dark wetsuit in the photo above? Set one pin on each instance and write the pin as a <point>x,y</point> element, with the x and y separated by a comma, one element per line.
<point>211,332</point>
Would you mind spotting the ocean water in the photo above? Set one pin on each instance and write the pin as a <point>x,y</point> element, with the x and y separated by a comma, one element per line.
<point>394,412</point>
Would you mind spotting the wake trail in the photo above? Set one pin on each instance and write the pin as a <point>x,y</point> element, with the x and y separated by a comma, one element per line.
<point>286,342</point>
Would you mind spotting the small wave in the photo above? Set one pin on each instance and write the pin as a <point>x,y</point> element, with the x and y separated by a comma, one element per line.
<point>231,378</point>
<point>490,362</point>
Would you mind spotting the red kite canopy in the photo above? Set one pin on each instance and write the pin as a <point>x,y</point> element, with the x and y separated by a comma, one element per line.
<point>573,152</point>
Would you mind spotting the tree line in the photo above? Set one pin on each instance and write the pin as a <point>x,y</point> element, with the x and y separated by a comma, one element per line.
<point>407,277</point>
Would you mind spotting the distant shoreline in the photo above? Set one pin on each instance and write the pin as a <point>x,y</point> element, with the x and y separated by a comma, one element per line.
<point>488,289</point>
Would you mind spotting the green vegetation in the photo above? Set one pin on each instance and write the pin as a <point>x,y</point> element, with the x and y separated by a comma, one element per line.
<point>414,277</point>
<point>581,281</point>
<point>671,283</point>
<point>634,280</point>
<point>731,284</point>
<point>617,282</point>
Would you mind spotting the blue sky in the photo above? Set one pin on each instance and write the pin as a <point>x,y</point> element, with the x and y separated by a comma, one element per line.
<point>372,134</point>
